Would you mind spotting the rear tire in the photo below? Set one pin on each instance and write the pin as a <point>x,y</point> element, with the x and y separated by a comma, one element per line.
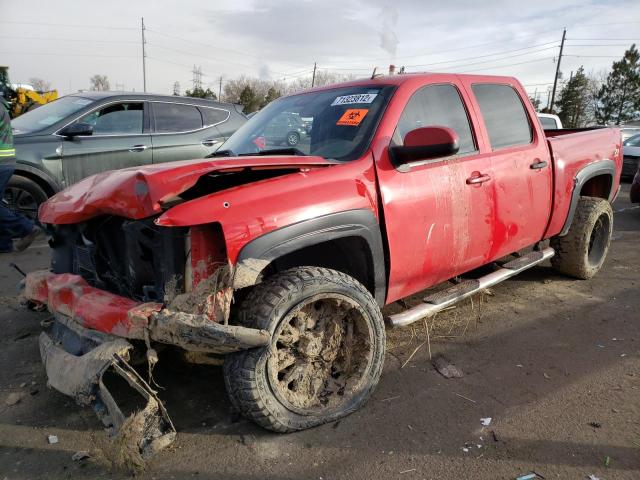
<point>582,251</point>
<point>24,196</point>
<point>326,354</point>
<point>293,139</point>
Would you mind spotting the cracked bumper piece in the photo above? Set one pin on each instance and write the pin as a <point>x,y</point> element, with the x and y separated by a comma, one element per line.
<point>91,308</point>
<point>145,431</point>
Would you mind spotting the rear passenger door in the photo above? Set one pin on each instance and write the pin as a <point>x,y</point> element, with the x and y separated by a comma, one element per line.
<point>179,133</point>
<point>521,167</point>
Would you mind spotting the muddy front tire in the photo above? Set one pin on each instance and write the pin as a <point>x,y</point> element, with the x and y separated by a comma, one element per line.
<point>582,251</point>
<point>326,353</point>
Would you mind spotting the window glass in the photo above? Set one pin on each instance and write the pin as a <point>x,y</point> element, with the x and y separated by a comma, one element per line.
<point>116,119</point>
<point>548,123</point>
<point>436,105</point>
<point>632,142</point>
<point>48,114</point>
<point>175,117</point>
<point>213,116</point>
<point>504,115</point>
<point>337,123</point>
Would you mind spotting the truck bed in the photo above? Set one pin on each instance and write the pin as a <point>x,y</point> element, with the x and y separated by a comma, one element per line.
<point>571,150</point>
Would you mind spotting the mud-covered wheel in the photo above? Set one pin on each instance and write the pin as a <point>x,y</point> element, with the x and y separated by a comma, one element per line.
<point>326,353</point>
<point>582,251</point>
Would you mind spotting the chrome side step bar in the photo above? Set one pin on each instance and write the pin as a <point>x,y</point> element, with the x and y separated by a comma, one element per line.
<point>441,300</point>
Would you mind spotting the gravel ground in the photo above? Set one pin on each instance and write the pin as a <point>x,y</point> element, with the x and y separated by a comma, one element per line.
<point>553,361</point>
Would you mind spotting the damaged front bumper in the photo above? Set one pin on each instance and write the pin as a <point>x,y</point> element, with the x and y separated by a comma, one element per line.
<point>89,343</point>
<point>94,309</point>
<point>82,377</point>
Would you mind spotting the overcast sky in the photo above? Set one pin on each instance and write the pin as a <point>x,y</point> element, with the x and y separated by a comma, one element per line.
<point>68,41</point>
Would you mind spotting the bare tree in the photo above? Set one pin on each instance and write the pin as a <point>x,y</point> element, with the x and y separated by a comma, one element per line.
<point>39,84</point>
<point>99,83</point>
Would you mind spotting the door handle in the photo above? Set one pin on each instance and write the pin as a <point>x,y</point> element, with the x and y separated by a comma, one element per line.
<point>478,179</point>
<point>210,142</point>
<point>538,164</point>
<point>138,148</point>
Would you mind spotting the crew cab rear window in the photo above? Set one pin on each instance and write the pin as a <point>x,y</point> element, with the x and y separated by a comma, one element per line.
<point>213,116</point>
<point>176,117</point>
<point>436,105</point>
<point>504,115</point>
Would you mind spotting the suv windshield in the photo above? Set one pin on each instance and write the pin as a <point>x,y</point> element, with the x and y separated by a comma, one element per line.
<point>336,124</point>
<point>48,114</point>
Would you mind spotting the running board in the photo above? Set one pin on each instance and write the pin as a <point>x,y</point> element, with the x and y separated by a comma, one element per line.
<point>441,300</point>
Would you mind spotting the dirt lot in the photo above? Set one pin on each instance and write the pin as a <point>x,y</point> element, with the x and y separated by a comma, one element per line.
<point>554,362</point>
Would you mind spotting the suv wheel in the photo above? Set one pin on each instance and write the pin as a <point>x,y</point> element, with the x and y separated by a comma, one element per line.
<point>293,139</point>
<point>24,196</point>
<point>582,251</point>
<point>326,353</point>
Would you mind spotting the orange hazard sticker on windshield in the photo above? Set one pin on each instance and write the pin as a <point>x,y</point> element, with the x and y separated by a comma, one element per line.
<point>352,117</point>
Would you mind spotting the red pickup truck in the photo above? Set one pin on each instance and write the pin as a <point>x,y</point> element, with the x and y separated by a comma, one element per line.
<point>279,258</point>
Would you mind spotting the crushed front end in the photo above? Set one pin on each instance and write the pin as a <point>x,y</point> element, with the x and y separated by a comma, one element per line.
<point>119,285</point>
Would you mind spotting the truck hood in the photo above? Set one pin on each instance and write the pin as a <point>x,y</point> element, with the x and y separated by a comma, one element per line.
<point>140,192</point>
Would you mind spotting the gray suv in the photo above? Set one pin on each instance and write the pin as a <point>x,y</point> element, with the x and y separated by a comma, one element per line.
<point>78,135</point>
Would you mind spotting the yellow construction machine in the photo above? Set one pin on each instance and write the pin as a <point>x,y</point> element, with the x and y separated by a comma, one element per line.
<point>22,98</point>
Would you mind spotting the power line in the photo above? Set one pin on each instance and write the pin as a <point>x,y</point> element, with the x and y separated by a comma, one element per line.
<point>12,37</point>
<point>485,61</point>
<point>508,65</point>
<point>66,25</point>
<point>57,54</point>
<point>605,39</point>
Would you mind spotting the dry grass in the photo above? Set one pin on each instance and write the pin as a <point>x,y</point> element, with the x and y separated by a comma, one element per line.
<point>451,323</point>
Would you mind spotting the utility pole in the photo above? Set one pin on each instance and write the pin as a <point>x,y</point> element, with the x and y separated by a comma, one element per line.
<point>220,89</point>
<point>555,80</point>
<point>313,78</point>
<point>144,60</point>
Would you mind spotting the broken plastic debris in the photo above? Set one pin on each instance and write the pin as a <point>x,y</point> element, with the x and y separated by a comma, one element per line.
<point>486,421</point>
<point>527,476</point>
<point>52,439</point>
<point>593,477</point>
<point>465,450</point>
<point>446,368</point>
<point>81,455</point>
<point>14,398</point>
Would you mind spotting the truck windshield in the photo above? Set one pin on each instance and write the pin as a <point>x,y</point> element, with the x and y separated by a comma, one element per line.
<point>334,124</point>
<point>46,115</point>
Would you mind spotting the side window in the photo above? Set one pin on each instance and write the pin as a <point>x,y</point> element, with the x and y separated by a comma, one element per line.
<point>436,105</point>
<point>504,115</point>
<point>213,116</point>
<point>175,117</point>
<point>116,119</point>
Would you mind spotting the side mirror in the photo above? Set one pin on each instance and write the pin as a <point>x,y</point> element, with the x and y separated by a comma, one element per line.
<point>425,143</point>
<point>77,130</point>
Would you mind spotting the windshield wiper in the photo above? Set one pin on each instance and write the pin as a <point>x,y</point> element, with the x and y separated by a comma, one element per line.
<point>280,151</point>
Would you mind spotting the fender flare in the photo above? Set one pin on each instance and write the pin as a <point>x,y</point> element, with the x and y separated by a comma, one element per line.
<point>42,175</point>
<point>601,167</point>
<point>256,255</point>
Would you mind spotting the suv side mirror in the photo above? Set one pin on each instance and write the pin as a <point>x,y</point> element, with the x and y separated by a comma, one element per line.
<point>425,143</point>
<point>76,130</point>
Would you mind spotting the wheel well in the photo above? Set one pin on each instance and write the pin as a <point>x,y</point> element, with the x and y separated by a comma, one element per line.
<point>598,186</point>
<point>350,255</point>
<point>46,186</point>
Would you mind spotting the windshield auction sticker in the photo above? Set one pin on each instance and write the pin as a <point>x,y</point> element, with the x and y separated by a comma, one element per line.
<point>352,117</point>
<point>352,99</point>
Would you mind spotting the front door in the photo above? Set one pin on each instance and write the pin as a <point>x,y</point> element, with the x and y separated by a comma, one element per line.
<point>118,141</point>
<point>438,213</point>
